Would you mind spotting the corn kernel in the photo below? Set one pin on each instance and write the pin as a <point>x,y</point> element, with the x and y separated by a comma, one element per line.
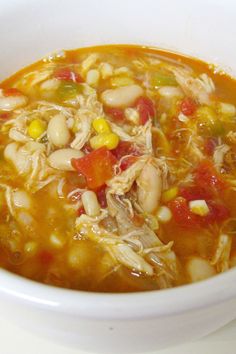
<point>170,194</point>
<point>36,128</point>
<point>164,214</point>
<point>101,126</point>
<point>110,140</point>
<point>199,207</point>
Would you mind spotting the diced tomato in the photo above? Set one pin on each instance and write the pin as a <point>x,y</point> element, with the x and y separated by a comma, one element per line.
<point>115,113</point>
<point>181,213</point>
<point>5,116</point>
<point>195,192</point>
<point>207,177</point>
<point>127,162</point>
<point>45,257</point>
<point>97,167</point>
<point>185,218</point>
<point>125,148</point>
<point>67,75</point>
<point>209,146</point>
<point>12,92</point>
<point>218,213</point>
<point>188,106</point>
<point>101,195</point>
<point>145,108</point>
<point>80,211</point>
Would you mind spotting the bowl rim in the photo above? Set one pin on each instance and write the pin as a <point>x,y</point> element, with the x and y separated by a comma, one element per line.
<point>118,306</point>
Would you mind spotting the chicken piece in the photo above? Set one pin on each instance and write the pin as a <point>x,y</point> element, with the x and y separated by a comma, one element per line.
<point>122,183</point>
<point>90,109</point>
<point>30,162</point>
<point>141,135</point>
<point>219,155</point>
<point>199,88</point>
<point>222,254</point>
<point>231,137</point>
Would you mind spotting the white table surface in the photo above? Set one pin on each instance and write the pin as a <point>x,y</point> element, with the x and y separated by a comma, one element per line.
<point>14,340</point>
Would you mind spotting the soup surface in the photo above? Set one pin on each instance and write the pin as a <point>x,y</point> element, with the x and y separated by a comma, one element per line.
<point>118,170</point>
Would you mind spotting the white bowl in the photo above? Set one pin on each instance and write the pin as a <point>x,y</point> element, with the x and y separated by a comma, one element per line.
<point>118,323</point>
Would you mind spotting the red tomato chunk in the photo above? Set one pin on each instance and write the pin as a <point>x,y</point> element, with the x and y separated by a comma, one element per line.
<point>145,108</point>
<point>188,106</point>
<point>101,195</point>
<point>97,167</point>
<point>125,148</point>
<point>67,75</point>
<point>45,257</point>
<point>195,192</point>
<point>115,113</point>
<point>207,177</point>
<point>12,92</point>
<point>181,213</point>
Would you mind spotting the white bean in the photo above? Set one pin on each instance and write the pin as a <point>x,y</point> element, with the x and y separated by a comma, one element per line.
<point>50,84</point>
<point>61,159</point>
<point>92,77</point>
<point>149,188</point>
<point>21,199</point>
<point>10,151</point>
<point>199,269</point>
<point>58,132</point>
<point>12,102</point>
<point>90,203</point>
<point>122,96</point>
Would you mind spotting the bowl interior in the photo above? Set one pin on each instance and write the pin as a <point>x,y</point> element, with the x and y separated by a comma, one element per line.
<point>28,32</point>
<point>204,28</point>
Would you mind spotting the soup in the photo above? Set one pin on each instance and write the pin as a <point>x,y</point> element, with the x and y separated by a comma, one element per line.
<point>118,170</point>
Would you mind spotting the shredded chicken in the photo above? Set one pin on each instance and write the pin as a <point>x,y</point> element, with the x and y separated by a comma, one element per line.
<point>122,183</point>
<point>30,161</point>
<point>231,137</point>
<point>90,108</point>
<point>219,155</point>
<point>147,241</point>
<point>199,88</point>
<point>141,136</point>
<point>222,254</point>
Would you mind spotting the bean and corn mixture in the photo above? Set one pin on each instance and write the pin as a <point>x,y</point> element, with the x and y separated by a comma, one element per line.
<point>118,170</point>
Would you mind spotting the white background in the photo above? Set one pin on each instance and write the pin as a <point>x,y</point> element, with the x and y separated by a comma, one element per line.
<point>14,340</point>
